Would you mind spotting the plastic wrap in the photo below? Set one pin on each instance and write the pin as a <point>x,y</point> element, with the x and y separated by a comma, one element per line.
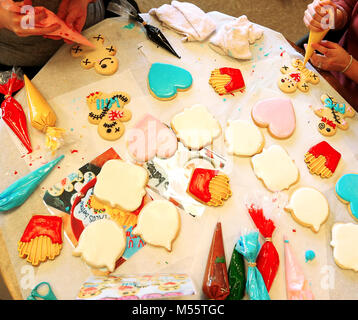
<point>236,274</point>
<point>249,246</point>
<point>42,117</point>
<point>268,259</point>
<point>216,282</point>
<point>12,112</point>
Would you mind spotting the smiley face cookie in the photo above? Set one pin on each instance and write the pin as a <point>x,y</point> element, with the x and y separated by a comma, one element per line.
<point>101,58</point>
<point>108,112</point>
<point>296,77</point>
<point>333,115</point>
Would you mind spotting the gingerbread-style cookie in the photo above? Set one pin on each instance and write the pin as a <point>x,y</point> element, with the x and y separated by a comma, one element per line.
<point>333,116</point>
<point>101,58</point>
<point>108,112</point>
<point>296,77</point>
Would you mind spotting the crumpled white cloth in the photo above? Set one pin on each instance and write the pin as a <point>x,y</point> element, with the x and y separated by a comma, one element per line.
<point>185,18</point>
<point>234,38</point>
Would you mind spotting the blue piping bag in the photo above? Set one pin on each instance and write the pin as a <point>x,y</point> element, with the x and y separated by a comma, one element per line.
<point>249,246</point>
<point>17,193</point>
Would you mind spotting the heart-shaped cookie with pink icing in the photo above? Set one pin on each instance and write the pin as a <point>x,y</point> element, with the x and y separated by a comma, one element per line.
<point>277,115</point>
<point>150,138</point>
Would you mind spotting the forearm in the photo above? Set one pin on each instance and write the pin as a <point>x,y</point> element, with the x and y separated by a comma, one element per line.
<point>352,71</point>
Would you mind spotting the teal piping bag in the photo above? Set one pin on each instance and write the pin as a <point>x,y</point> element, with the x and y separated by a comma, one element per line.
<point>16,194</point>
<point>249,246</point>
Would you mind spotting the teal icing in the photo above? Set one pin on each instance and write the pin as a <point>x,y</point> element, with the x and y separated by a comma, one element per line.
<point>166,79</point>
<point>310,255</point>
<point>347,190</point>
<point>17,193</point>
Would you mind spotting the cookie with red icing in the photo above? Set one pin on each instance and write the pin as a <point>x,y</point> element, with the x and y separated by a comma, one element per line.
<point>41,239</point>
<point>322,159</point>
<point>209,186</point>
<point>227,80</point>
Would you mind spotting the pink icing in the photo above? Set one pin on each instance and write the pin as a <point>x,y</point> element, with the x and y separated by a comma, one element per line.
<point>277,114</point>
<point>150,138</point>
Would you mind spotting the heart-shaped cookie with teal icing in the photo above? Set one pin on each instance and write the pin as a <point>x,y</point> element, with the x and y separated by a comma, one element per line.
<point>165,80</point>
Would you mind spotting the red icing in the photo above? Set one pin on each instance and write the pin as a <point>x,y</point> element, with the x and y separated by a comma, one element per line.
<point>329,122</point>
<point>199,183</point>
<point>50,226</point>
<point>332,156</point>
<point>296,76</point>
<point>237,81</point>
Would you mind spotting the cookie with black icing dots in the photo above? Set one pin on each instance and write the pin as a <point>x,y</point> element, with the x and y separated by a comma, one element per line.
<point>108,112</point>
<point>101,58</point>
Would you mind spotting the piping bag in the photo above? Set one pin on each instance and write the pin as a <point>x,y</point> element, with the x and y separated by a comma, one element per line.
<point>216,282</point>
<point>11,110</point>
<point>17,193</point>
<point>42,117</point>
<point>236,274</point>
<point>268,259</point>
<point>316,37</point>
<point>297,287</point>
<point>249,246</point>
<point>123,7</point>
<point>64,31</point>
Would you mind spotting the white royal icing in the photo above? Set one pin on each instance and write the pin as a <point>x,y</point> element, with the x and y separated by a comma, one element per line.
<point>309,206</point>
<point>158,223</point>
<point>196,127</point>
<point>275,167</point>
<point>243,138</point>
<point>121,184</point>
<point>344,241</point>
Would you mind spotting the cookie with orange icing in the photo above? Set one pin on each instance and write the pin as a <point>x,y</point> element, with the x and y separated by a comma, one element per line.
<point>209,187</point>
<point>227,80</point>
<point>322,159</point>
<point>41,239</point>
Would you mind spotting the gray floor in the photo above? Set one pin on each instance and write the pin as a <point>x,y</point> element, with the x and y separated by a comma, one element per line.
<point>284,16</point>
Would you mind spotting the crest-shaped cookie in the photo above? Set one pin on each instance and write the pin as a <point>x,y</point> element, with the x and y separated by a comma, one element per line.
<point>101,58</point>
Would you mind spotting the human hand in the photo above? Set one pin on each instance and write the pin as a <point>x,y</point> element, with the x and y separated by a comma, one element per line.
<point>332,58</point>
<point>13,19</point>
<point>317,17</point>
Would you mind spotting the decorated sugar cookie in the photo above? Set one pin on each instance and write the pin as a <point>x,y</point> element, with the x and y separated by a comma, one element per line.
<point>243,138</point>
<point>277,115</point>
<point>322,159</point>
<point>196,127</point>
<point>308,207</point>
<point>296,77</point>
<point>209,186</point>
<point>101,58</point>
<point>344,243</point>
<point>121,184</point>
<point>101,244</point>
<point>150,138</point>
<point>158,223</point>
<point>347,192</point>
<point>108,112</point>
<point>275,168</point>
<point>41,240</point>
<point>333,116</point>
<point>165,80</point>
<point>227,80</point>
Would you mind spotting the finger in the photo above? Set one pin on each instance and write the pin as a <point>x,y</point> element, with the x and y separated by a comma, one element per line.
<point>312,24</point>
<point>318,61</point>
<point>316,11</point>
<point>41,31</point>
<point>62,9</point>
<point>329,44</point>
<point>71,18</point>
<point>40,15</point>
<point>79,24</point>
<point>322,49</point>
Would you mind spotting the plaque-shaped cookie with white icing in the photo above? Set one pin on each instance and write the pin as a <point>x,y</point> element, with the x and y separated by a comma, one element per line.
<point>344,243</point>
<point>121,184</point>
<point>158,223</point>
<point>275,168</point>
